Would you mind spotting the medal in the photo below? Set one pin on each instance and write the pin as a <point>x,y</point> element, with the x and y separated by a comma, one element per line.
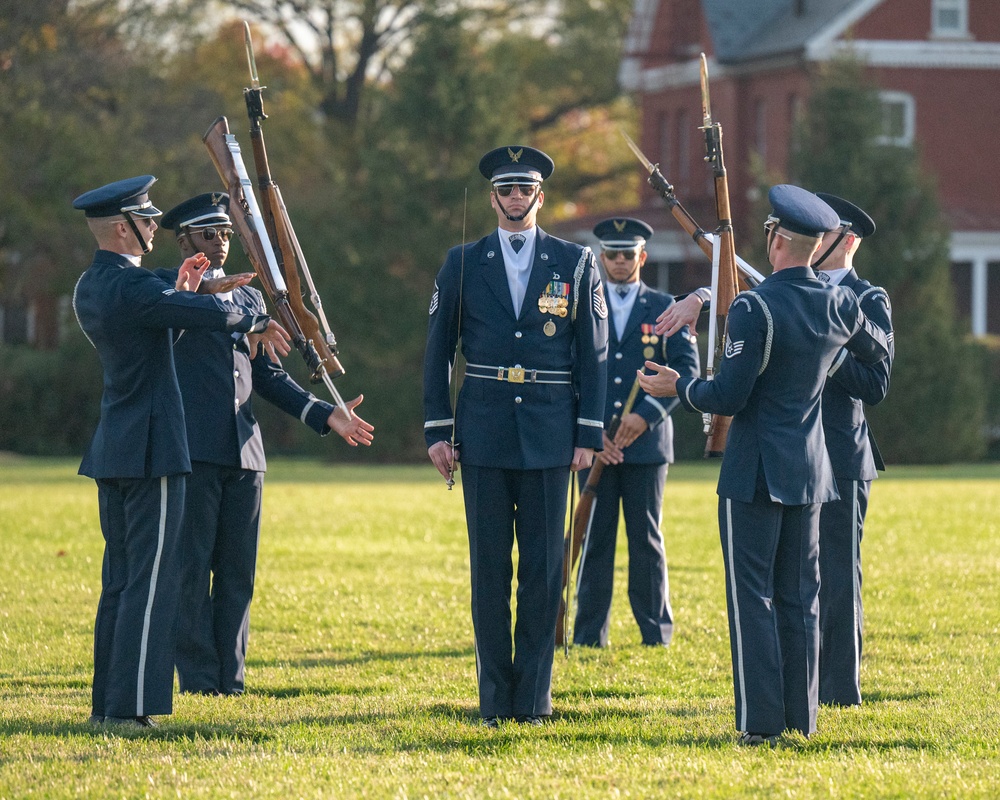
<point>549,328</point>
<point>554,300</point>
<point>648,352</point>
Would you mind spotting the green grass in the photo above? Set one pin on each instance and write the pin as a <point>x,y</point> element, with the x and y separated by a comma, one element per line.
<point>361,676</point>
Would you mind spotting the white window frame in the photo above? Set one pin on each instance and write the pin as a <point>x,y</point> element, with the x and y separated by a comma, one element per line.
<point>905,139</point>
<point>961,27</point>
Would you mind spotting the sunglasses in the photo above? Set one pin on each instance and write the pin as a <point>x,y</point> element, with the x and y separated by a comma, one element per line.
<point>611,253</point>
<point>210,233</point>
<point>526,189</point>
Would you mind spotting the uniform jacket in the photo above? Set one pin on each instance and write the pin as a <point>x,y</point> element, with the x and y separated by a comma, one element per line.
<point>216,377</point>
<point>127,313</point>
<point>655,446</point>
<point>851,384</point>
<point>517,425</point>
<point>777,356</point>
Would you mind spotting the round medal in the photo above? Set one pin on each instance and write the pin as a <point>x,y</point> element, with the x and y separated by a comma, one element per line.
<point>648,352</point>
<point>549,328</point>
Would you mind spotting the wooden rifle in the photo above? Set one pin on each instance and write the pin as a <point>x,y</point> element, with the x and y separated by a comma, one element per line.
<point>579,530</point>
<point>730,274</point>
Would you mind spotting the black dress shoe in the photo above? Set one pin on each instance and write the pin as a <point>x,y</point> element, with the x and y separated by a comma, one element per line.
<point>490,722</point>
<point>758,739</point>
<point>96,719</point>
<point>530,719</point>
<point>132,722</point>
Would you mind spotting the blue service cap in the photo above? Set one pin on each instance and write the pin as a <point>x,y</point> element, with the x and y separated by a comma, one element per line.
<point>128,195</point>
<point>515,164</point>
<point>849,214</point>
<point>800,211</point>
<point>622,232</point>
<point>207,210</point>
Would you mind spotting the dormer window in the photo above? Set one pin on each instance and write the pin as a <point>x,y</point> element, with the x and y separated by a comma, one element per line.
<point>950,18</point>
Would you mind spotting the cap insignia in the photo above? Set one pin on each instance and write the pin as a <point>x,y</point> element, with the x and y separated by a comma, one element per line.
<point>515,157</point>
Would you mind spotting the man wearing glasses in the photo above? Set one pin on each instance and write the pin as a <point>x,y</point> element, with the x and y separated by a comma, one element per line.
<point>139,453</point>
<point>532,318</point>
<point>635,461</point>
<point>217,373</point>
<point>782,339</point>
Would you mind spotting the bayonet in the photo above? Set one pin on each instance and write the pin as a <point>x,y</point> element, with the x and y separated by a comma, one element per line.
<point>706,101</point>
<point>254,81</point>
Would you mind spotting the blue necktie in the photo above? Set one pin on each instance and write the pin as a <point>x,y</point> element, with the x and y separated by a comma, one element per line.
<point>517,242</point>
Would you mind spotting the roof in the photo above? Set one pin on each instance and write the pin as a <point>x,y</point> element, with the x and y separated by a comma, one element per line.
<point>746,30</point>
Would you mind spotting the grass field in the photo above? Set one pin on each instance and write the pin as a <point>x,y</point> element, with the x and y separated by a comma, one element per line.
<point>361,677</point>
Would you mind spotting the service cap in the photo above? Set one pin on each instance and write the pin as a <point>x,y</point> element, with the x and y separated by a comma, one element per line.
<point>622,232</point>
<point>800,211</point>
<point>515,164</point>
<point>850,214</point>
<point>207,210</point>
<point>130,195</point>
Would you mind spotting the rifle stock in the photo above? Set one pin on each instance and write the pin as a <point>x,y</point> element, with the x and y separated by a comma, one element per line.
<point>290,258</point>
<point>248,224</point>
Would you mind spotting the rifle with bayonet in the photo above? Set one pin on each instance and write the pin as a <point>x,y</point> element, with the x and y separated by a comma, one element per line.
<point>583,517</point>
<point>730,274</point>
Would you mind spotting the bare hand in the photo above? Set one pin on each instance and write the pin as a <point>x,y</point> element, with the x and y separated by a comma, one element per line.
<point>662,384</point>
<point>190,273</point>
<point>611,454</point>
<point>631,428</point>
<point>351,428</point>
<point>275,340</point>
<point>583,457</point>
<point>225,283</point>
<point>444,457</point>
<point>683,312</point>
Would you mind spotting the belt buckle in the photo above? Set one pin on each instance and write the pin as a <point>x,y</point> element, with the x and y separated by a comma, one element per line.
<point>515,375</point>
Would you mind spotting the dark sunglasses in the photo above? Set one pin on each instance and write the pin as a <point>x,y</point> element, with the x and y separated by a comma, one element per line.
<point>526,189</point>
<point>613,252</point>
<point>210,233</point>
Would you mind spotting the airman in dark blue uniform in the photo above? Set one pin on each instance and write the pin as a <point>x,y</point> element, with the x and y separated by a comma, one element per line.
<point>217,371</point>
<point>782,339</point>
<point>635,463</point>
<point>139,453</point>
<point>855,460</point>
<point>533,322</point>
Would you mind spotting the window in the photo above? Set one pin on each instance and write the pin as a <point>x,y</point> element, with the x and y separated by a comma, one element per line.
<point>898,118</point>
<point>950,18</point>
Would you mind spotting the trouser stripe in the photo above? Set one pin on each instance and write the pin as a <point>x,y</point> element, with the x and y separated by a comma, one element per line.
<point>144,642</point>
<point>737,632</point>
<point>856,589</point>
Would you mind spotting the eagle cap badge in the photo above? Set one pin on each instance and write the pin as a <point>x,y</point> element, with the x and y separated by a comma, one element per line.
<point>515,157</point>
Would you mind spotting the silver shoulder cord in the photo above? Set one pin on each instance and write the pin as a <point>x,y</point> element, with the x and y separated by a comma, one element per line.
<point>458,339</point>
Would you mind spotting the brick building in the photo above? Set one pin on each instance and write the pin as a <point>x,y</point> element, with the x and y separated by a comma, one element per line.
<point>936,62</point>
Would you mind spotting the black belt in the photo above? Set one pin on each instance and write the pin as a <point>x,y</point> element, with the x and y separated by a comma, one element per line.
<point>518,374</point>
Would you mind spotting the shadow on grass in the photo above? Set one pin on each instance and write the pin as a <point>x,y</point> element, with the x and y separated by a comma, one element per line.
<point>168,730</point>
<point>877,696</point>
<point>371,657</point>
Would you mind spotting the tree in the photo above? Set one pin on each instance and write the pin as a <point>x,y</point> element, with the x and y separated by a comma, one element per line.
<point>934,411</point>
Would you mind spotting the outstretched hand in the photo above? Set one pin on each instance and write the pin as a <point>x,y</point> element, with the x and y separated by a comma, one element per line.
<point>225,283</point>
<point>351,428</point>
<point>662,384</point>
<point>190,273</point>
